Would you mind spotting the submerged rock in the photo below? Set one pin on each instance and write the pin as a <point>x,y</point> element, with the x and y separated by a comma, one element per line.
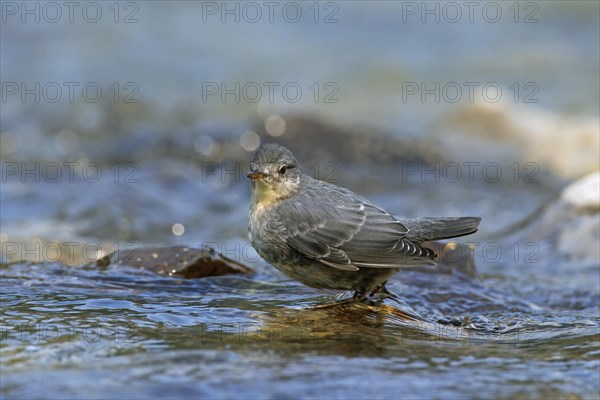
<point>182,261</point>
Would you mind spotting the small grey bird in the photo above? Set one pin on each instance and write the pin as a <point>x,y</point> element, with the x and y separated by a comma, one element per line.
<point>325,236</point>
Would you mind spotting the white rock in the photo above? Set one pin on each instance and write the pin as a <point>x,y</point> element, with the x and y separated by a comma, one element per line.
<point>567,145</point>
<point>584,193</point>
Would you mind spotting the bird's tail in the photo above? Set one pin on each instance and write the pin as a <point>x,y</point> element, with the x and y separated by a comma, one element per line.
<point>426,229</point>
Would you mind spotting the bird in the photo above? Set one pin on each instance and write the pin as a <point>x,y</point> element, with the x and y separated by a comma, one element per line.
<point>329,237</point>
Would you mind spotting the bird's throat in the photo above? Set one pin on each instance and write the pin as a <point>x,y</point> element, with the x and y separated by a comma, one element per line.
<point>263,194</point>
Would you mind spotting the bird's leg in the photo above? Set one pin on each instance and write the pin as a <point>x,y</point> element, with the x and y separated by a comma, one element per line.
<point>383,291</point>
<point>377,289</point>
<point>359,296</point>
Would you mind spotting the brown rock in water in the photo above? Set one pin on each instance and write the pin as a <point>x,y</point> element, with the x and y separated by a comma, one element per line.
<point>453,257</point>
<point>182,261</point>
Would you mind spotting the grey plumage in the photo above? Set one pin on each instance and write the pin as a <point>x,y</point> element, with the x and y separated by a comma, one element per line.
<point>426,229</point>
<point>330,237</point>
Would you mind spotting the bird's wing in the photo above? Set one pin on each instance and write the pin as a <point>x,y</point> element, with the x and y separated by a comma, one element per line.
<point>348,232</point>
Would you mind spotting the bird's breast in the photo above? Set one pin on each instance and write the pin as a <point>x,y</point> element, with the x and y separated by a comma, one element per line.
<point>266,234</point>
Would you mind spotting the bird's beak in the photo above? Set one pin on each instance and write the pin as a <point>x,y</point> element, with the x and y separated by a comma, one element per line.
<point>256,174</point>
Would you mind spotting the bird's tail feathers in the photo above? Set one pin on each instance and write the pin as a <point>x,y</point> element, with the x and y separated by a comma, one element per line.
<point>426,229</point>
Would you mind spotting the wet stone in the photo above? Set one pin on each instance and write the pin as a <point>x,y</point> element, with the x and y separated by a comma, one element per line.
<point>453,258</point>
<point>182,261</point>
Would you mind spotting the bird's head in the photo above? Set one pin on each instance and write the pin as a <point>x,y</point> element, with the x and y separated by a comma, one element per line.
<point>274,173</point>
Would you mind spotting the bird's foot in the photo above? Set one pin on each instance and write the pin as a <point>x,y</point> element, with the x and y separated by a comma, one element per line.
<point>383,293</point>
<point>375,297</point>
<point>349,300</point>
<point>363,297</point>
<point>358,297</point>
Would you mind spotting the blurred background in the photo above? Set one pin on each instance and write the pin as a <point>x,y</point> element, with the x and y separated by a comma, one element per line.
<point>132,123</point>
<point>144,99</point>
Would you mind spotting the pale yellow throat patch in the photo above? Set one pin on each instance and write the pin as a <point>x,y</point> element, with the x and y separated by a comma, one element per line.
<point>264,195</point>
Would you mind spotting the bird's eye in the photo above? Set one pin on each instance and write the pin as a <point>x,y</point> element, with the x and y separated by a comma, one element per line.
<point>282,170</point>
